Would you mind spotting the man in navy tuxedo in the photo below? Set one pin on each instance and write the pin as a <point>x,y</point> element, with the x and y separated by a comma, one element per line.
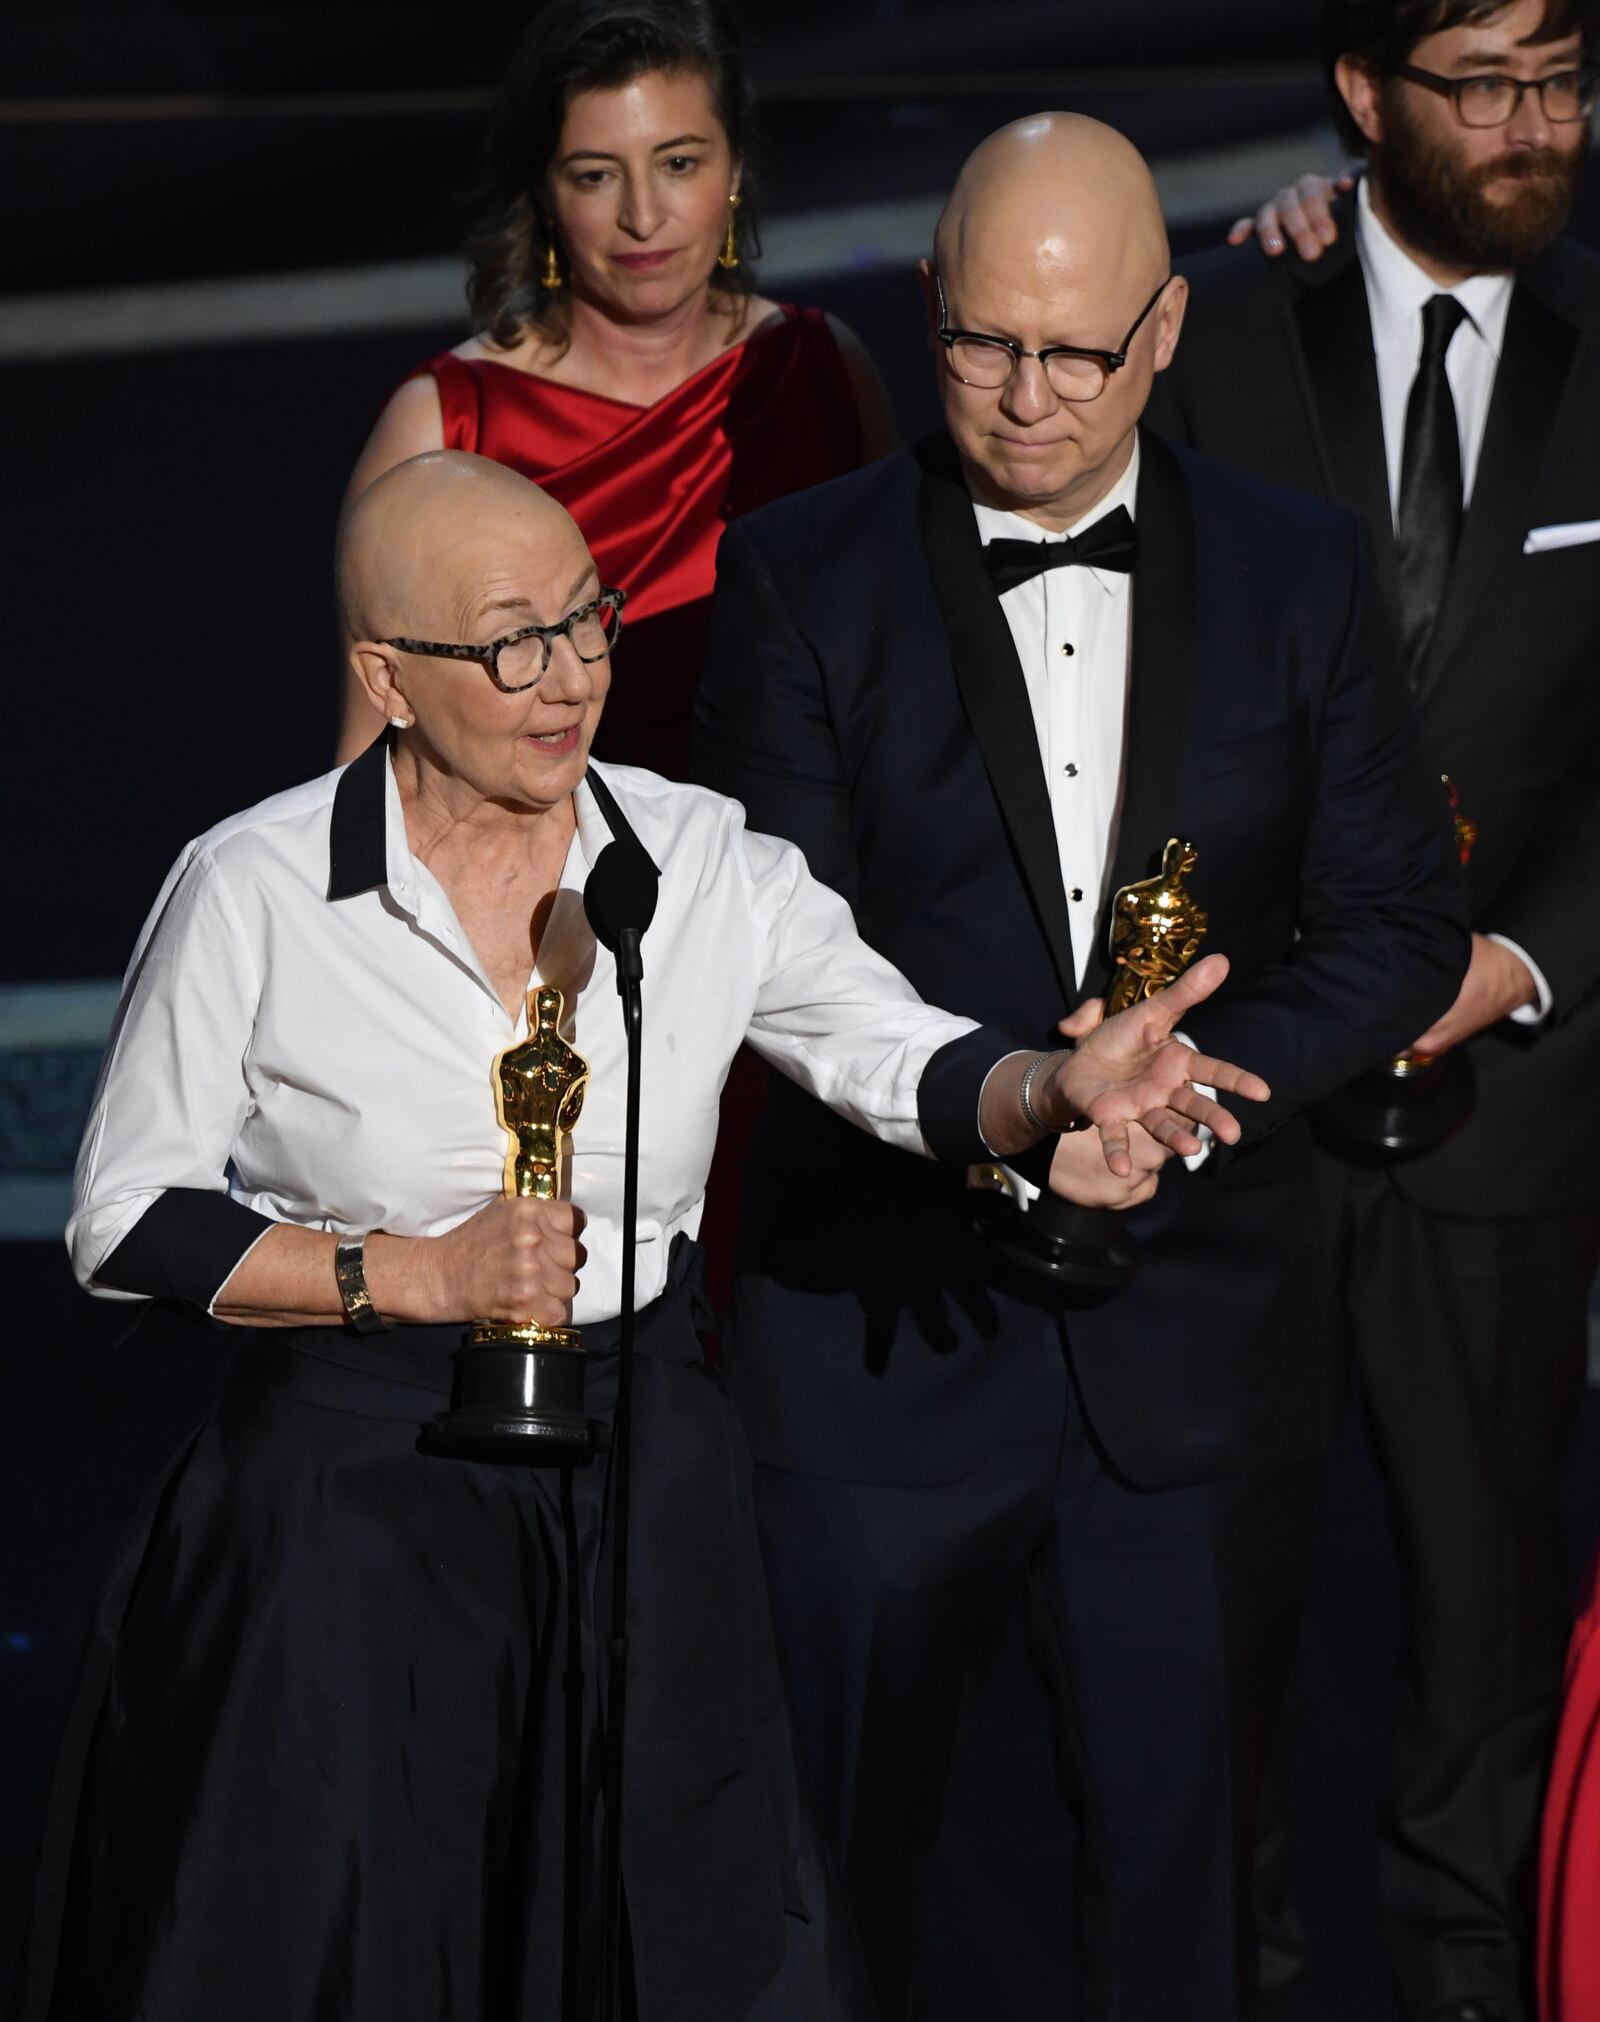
<point>982,684</point>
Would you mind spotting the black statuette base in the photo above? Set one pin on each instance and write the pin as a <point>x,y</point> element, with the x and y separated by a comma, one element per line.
<point>511,1402</point>
<point>1385,1115</point>
<point>1086,1248</point>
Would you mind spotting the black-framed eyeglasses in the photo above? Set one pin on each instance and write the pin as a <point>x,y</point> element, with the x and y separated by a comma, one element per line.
<point>519,660</point>
<point>1494,100</point>
<point>1074,371</point>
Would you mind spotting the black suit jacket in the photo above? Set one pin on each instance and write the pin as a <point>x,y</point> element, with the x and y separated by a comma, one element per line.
<point>1275,373</point>
<point>863,698</point>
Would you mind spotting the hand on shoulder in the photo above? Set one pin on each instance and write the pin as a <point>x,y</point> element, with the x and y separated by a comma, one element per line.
<point>1301,213</point>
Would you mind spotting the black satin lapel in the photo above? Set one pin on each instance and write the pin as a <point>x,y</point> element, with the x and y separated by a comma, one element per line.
<point>1158,684</point>
<point>1528,386</point>
<point>1333,339</point>
<point>993,692</point>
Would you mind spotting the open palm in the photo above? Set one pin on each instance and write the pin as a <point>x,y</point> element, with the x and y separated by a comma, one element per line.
<point>1131,1069</point>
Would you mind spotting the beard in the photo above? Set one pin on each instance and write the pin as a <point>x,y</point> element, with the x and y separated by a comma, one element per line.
<point>1450,213</point>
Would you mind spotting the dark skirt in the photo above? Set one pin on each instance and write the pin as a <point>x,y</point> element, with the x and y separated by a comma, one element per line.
<point>325,1761</point>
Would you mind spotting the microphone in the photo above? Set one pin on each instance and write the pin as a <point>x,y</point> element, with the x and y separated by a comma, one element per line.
<point>620,902</point>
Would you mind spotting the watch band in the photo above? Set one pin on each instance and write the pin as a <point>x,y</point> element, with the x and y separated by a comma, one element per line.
<point>350,1274</point>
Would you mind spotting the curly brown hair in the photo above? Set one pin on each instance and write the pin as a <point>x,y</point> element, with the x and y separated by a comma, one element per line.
<point>579,45</point>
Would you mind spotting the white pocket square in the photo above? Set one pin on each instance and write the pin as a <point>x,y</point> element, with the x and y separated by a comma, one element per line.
<point>1574,534</point>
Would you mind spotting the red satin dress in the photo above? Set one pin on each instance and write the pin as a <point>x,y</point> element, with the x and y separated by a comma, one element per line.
<point>653,487</point>
<point>1569,1856</point>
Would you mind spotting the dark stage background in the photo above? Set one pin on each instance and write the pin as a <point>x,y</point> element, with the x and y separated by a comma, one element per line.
<point>227,232</point>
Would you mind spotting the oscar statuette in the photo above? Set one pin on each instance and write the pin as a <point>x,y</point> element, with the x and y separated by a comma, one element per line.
<point>1157,927</point>
<point>517,1389</point>
<point>1416,1101</point>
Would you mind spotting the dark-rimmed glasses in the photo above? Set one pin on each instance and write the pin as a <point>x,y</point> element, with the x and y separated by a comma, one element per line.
<point>519,660</point>
<point>1494,100</point>
<point>1074,371</point>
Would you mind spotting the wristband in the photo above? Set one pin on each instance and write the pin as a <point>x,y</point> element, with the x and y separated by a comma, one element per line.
<point>349,1271</point>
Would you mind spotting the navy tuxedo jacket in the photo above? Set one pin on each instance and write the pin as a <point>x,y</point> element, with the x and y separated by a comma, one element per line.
<point>863,698</point>
<point>1276,374</point>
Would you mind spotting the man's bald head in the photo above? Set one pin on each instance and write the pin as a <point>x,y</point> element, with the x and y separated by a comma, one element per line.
<point>1060,194</point>
<point>1052,239</point>
<point>435,534</point>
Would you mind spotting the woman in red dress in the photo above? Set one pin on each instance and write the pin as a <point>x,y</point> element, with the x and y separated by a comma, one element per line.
<point>622,360</point>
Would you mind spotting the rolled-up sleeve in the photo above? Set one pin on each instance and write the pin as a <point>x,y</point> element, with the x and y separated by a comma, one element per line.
<point>151,1213</point>
<point>833,1015</point>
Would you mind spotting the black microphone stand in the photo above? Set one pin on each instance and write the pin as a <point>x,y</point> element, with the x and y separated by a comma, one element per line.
<point>630,978</point>
<point>620,901</point>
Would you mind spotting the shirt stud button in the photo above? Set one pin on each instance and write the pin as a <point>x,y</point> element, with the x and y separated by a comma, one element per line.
<point>1067,648</point>
<point>1077,891</point>
<point>1072,772</point>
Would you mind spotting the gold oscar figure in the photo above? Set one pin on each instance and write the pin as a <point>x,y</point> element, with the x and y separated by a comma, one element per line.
<point>517,1392</point>
<point>1156,930</point>
<point>1416,1101</point>
<point>538,1098</point>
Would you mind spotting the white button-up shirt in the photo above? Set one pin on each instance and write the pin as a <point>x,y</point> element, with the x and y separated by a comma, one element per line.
<point>1397,292</point>
<point>320,1043</point>
<point>1073,630</point>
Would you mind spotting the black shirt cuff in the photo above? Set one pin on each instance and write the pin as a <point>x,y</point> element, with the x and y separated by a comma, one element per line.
<point>186,1245</point>
<point>948,1093</point>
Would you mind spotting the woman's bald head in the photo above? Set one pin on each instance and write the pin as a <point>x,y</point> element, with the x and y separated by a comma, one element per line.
<point>455,550</point>
<point>417,540</point>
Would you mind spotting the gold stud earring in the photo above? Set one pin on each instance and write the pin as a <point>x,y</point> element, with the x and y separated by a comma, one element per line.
<point>552,276</point>
<point>728,258</point>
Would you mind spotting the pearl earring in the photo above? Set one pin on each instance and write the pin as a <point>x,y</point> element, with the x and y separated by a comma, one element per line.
<point>401,722</point>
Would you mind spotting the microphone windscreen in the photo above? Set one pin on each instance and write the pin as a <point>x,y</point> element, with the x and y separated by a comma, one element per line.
<point>621,893</point>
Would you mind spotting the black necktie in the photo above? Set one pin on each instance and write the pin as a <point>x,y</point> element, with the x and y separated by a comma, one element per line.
<point>1109,544</point>
<point>1430,481</point>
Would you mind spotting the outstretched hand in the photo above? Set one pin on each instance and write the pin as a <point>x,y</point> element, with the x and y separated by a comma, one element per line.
<point>1131,1069</point>
<point>1301,213</point>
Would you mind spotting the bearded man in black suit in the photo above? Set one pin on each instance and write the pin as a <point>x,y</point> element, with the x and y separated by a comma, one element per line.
<point>978,731</point>
<point>1438,372</point>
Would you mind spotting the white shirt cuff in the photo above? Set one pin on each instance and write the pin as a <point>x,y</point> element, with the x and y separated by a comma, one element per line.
<point>1538,1012</point>
<point>1022,1191</point>
<point>1196,1159</point>
<point>984,1090</point>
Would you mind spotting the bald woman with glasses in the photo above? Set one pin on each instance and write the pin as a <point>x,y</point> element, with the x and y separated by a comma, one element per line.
<point>323,1760</point>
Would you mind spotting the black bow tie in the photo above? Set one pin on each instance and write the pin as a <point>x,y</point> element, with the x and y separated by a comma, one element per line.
<point>1110,543</point>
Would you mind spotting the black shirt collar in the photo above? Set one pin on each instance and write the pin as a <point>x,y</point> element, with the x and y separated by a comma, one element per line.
<point>358,848</point>
<point>358,859</point>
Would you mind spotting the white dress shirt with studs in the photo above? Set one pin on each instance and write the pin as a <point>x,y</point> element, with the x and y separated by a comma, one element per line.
<point>1073,631</point>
